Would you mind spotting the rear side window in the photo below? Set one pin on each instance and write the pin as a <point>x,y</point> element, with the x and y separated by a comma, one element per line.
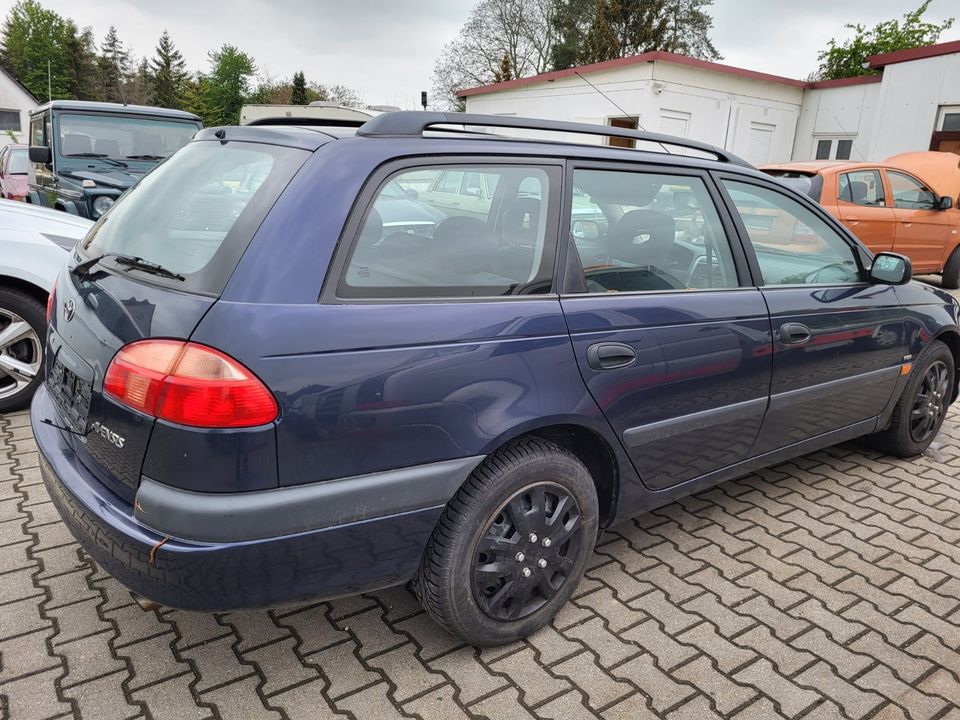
<point>196,213</point>
<point>455,231</point>
<point>863,187</point>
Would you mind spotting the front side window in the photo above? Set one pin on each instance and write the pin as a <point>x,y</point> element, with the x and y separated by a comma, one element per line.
<point>636,232</point>
<point>863,187</point>
<point>122,138</point>
<point>36,131</point>
<point>793,245</point>
<point>18,161</point>
<point>415,242</point>
<point>910,193</point>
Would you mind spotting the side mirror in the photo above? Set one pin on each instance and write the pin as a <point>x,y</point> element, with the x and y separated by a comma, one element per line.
<point>944,203</point>
<point>40,154</point>
<point>473,192</point>
<point>585,229</point>
<point>411,193</point>
<point>890,269</point>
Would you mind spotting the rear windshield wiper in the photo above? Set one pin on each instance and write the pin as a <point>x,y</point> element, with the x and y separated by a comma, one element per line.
<point>99,156</point>
<point>145,157</point>
<point>81,269</point>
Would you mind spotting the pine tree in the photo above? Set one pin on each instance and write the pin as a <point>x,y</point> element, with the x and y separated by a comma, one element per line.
<point>82,70</point>
<point>167,74</point>
<point>114,62</point>
<point>505,72</point>
<point>299,94</point>
<point>688,29</point>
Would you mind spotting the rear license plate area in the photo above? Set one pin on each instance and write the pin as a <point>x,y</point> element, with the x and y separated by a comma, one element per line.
<point>71,394</point>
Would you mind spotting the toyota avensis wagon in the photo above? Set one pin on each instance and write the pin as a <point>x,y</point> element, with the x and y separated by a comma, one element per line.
<point>260,392</point>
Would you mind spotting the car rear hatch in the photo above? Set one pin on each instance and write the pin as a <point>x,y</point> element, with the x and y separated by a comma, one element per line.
<point>150,269</point>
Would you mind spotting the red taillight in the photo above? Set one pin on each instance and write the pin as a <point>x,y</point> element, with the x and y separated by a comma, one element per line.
<point>51,299</point>
<point>188,384</point>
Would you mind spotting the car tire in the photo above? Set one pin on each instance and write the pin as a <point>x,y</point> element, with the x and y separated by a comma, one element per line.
<point>950,278</point>
<point>16,307</point>
<point>512,545</point>
<point>919,413</point>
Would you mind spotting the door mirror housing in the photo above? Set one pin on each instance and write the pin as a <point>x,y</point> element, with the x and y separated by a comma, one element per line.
<point>890,269</point>
<point>40,154</point>
<point>944,203</point>
<point>473,192</point>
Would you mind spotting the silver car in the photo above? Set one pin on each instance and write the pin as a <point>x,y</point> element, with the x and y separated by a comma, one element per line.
<point>33,246</point>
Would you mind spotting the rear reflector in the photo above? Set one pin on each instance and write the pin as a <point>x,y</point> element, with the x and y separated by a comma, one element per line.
<point>188,384</point>
<point>51,299</point>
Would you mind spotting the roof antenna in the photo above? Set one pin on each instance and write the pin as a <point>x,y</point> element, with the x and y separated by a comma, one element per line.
<point>625,113</point>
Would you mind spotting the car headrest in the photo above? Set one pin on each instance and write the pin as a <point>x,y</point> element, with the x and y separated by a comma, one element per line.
<point>75,144</point>
<point>660,227</point>
<point>858,191</point>
<point>464,245</point>
<point>372,229</point>
<point>110,148</point>
<point>521,221</point>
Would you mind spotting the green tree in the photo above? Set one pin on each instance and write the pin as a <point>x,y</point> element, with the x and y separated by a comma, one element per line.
<point>82,69</point>
<point>505,72</point>
<point>114,62</point>
<point>31,37</point>
<point>167,74</point>
<point>848,59</point>
<point>194,98</point>
<point>298,94</point>
<point>229,83</point>
<point>688,29</point>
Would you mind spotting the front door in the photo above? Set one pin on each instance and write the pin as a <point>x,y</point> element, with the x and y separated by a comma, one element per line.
<point>923,233</point>
<point>863,208</point>
<point>838,341</point>
<point>674,348</point>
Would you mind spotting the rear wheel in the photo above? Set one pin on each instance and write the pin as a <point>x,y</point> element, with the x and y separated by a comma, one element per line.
<point>951,271</point>
<point>22,329</point>
<point>512,544</point>
<point>922,407</point>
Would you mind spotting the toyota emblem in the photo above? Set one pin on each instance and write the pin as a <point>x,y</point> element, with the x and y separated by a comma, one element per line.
<point>69,308</point>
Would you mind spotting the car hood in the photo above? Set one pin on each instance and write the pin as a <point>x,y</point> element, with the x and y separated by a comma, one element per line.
<point>118,178</point>
<point>940,170</point>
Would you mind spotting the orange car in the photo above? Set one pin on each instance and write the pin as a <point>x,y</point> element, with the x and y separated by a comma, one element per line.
<point>907,204</point>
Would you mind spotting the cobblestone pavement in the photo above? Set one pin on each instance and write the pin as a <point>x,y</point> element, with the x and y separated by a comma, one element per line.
<point>826,587</point>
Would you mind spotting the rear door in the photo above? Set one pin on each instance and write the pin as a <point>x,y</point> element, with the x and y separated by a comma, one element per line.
<point>838,341</point>
<point>670,338</point>
<point>923,233</point>
<point>861,202</point>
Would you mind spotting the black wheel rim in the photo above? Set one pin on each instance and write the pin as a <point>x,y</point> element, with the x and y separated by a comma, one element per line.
<point>930,402</point>
<point>527,552</point>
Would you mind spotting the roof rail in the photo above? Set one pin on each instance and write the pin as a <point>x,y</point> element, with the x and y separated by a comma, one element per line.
<point>408,123</point>
<point>305,122</point>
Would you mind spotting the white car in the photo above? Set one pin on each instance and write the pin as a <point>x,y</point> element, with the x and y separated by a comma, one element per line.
<point>34,243</point>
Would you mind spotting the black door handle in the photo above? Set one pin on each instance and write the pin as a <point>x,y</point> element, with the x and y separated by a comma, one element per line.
<point>794,334</point>
<point>609,356</point>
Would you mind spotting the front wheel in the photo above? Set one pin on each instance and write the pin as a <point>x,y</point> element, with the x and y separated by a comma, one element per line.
<point>922,407</point>
<point>511,545</point>
<point>22,329</point>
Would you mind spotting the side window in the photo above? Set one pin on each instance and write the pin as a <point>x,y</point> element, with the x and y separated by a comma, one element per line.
<point>472,185</point>
<point>863,187</point>
<point>909,192</point>
<point>449,182</point>
<point>36,131</point>
<point>638,232</point>
<point>414,245</point>
<point>792,244</point>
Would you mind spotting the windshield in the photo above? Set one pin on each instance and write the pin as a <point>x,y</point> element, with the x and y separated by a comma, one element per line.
<point>122,138</point>
<point>19,162</point>
<point>195,214</point>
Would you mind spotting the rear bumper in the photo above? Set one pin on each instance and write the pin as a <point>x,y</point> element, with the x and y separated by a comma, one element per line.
<point>341,559</point>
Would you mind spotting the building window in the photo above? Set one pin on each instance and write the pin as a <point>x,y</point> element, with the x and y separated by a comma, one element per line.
<point>674,122</point>
<point>834,148</point>
<point>949,118</point>
<point>10,120</point>
<point>627,123</point>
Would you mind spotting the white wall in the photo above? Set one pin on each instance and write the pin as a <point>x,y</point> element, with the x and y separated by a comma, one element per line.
<point>839,112</point>
<point>910,95</point>
<point>13,97</point>
<point>720,109</point>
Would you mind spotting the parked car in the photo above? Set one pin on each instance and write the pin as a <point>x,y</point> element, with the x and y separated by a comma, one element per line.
<point>908,203</point>
<point>33,246</point>
<point>278,398</point>
<point>14,165</point>
<point>85,154</point>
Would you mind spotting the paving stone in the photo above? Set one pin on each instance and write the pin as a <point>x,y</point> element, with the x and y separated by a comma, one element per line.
<point>789,697</point>
<point>88,657</point>
<point>240,700</point>
<point>216,663</point>
<point>855,702</point>
<point>34,697</point>
<point>601,690</point>
<point>439,704</point>
<point>409,676</point>
<point>725,693</point>
<point>172,699</point>
<point>343,669</point>
<point>278,663</point>
<point>663,691</point>
<point>103,698</point>
<point>504,704</point>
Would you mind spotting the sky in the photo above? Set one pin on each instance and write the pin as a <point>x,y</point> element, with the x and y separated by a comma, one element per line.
<point>386,49</point>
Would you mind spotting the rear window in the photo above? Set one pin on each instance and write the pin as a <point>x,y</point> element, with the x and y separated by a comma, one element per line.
<point>196,213</point>
<point>809,185</point>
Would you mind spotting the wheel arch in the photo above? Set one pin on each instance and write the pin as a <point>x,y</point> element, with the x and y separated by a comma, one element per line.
<point>24,286</point>
<point>590,446</point>
<point>951,338</point>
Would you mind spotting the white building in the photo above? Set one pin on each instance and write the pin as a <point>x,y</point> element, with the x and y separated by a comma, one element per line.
<point>15,105</point>
<point>913,105</point>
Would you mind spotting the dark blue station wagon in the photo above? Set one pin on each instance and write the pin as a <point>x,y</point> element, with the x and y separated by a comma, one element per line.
<point>295,363</point>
